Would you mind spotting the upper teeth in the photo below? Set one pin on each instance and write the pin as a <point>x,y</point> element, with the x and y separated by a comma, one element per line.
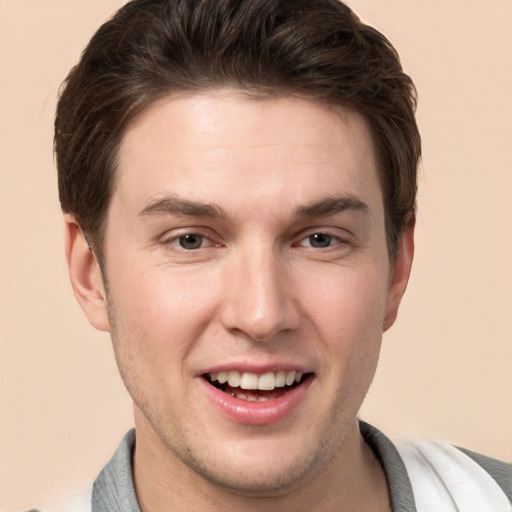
<point>266,382</point>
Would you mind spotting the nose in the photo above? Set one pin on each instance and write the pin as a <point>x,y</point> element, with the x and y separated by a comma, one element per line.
<point>258,298</point>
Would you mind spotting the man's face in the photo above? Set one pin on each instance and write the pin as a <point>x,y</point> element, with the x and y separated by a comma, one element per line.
<point>246,242</point>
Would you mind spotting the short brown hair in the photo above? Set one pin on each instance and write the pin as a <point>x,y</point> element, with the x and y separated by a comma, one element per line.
<point>152,48</point>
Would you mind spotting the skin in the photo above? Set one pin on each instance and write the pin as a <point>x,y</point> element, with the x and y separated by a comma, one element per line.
<point>257,291</point>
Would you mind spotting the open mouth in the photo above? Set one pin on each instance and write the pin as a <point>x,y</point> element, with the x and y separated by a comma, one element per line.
<point>256,388</point>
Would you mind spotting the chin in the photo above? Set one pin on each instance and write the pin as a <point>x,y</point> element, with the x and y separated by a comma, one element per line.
<point>263,480</point>
<point>264,468</point>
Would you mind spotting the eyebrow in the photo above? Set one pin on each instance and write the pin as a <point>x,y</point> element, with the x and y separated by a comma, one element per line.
<point>333,205</point>
<point>323,207</point>
<point>172,204</point>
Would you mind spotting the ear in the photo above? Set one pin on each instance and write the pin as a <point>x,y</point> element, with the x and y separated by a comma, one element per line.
<point>85,275</point>
<point>400,271</point>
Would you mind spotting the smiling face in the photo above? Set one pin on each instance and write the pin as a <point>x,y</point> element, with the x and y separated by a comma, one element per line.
<point>248,284</point>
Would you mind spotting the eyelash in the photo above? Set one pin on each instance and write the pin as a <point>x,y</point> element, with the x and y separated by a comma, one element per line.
<point>331,239</point>
<point>335,239</point>
<point>175,241</point>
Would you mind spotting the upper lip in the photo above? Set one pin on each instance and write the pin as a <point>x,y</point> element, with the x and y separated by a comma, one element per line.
<point>254,368</point>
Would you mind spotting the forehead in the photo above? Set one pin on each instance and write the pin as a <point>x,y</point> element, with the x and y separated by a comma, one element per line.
<point>225,146</point>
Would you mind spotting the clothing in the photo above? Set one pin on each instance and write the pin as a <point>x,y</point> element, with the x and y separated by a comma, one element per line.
<point>424,476</point>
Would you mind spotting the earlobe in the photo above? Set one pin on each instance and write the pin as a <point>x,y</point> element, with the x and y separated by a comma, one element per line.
<point>85,275</point>
<point>401,269</point>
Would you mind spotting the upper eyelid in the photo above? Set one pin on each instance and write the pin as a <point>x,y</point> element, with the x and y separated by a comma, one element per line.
<point>173,245</point>
<point>338,232</point>
<point>177,232</point>
<point>172,236</point>
<point>207,232</point>
<point>337,238</point>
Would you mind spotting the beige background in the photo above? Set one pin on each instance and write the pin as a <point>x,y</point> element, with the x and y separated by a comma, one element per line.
<point>445,370</point>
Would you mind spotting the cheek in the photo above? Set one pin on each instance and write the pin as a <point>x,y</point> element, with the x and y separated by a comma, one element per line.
<point>348,304</point>
<point>347,314</point>
<point>159,314</point>
<point>352,316</point>
<point>160,296</point>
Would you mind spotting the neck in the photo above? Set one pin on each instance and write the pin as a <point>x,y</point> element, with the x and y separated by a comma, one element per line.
<point>353,480</point>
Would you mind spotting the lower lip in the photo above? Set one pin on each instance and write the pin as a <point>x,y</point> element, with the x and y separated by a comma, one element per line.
<point>257,413</point>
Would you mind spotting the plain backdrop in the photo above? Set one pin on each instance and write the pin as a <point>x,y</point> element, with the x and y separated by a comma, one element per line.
<point>445,370</point>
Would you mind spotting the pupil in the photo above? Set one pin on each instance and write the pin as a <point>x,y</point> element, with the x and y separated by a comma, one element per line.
<point>320,240</point>
<point>191,241</point>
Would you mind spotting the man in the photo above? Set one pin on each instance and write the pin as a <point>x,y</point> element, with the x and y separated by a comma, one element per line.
<point>239,181</point>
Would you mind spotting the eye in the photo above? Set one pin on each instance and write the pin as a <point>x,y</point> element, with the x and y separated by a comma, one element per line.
<point>320,240</point>
<point>185,241</point>
<point>191,241</point>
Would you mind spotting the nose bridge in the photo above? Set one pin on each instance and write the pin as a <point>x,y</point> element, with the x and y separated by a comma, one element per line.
<point>259,299</point>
